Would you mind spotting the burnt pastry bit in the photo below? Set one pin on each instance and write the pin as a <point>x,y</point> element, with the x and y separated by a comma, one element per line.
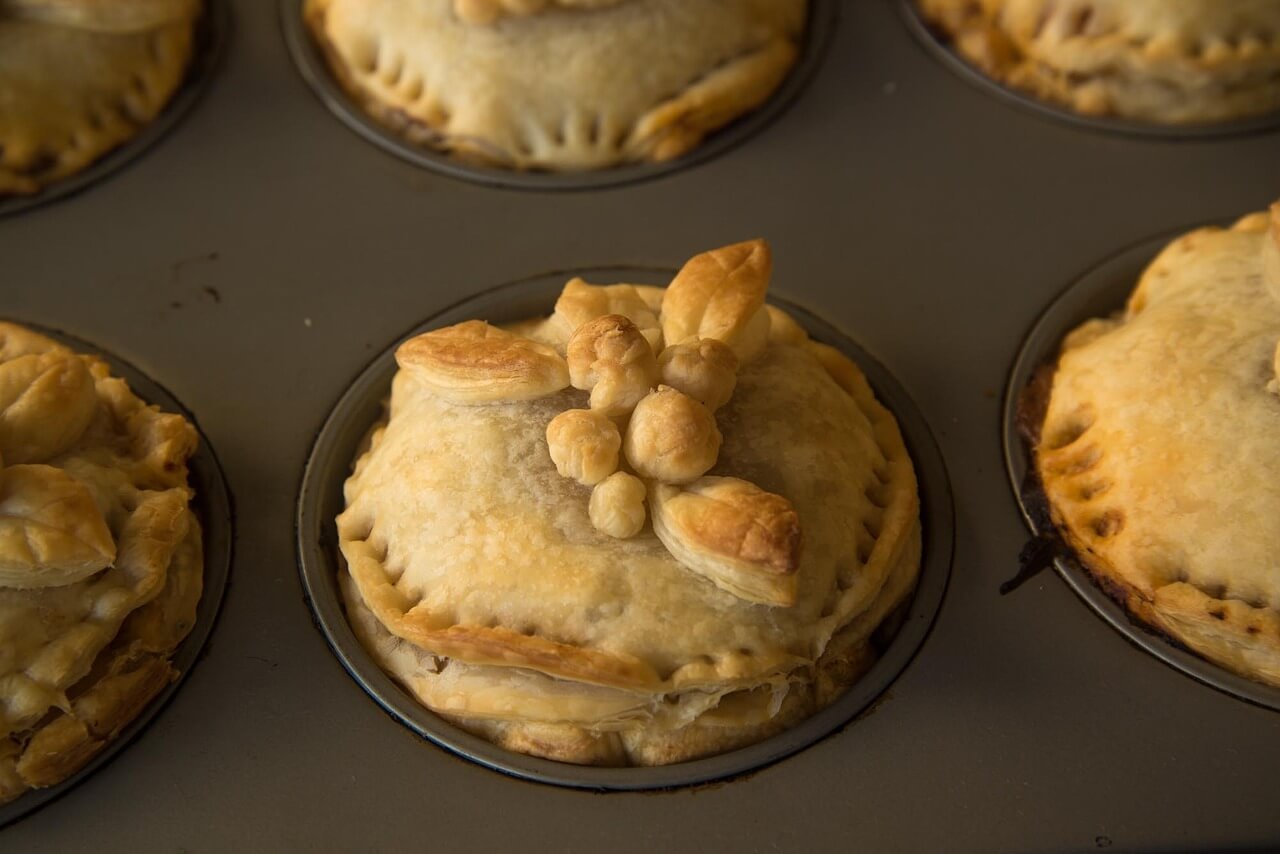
<point>485,80</point>
<point>1162,61</point>
<point>78,78</point>
<point>1160,448</point>
<point>512,586</point>
<point>100,557</point>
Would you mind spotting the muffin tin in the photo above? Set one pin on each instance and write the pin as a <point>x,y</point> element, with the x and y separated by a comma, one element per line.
<point>212,505</point>
<point>321,500</point>
<point>259,257</point>
<point>211,36</point>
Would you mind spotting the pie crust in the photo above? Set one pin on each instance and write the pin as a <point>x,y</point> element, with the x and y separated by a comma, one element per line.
<point>1160,448</point>
<point>79,78</point>
<point>1170,62</point>
<point>100,556</point>
<point>522,603</point>
<point>649,78</point>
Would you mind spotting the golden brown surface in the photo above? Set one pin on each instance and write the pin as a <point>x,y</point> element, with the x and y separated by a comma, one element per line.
<point>100,558</point>
<point>648,81</point>
<point>1160,450</point>
<point>1162,61</point>
<point>551,617</point>
<point>78,78</point>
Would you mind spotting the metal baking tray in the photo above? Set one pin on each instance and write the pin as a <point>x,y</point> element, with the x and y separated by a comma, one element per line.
<point>321,500</point>
<point>212,505</point>
<point>263,255</point>
<point>211,36</point>
<point>823,15</point>
<point>1101,292</point>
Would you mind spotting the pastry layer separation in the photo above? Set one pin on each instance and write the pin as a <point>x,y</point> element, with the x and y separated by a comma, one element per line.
<point>101,564</point>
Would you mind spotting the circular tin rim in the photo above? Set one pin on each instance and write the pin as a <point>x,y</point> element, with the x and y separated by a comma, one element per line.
<point>320,498</point>
<point>925,34</point>
<point>213,506</point>
<point>310,61</point>
<point>1100,291</point>
<point>211,42</point>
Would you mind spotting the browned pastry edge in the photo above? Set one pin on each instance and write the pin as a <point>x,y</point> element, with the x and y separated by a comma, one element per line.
<point>1219,630</point>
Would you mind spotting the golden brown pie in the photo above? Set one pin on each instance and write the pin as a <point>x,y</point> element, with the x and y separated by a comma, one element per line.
<point>80,77</point>
<point>1160,449</point>
<point>1160,61</point>
<point>558,84</point>
<point>100,556</point>
<point>656,525</point>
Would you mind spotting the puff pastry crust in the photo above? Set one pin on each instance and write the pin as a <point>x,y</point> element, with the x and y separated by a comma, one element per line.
<point>1161,61</point>
<point>100,558</point>
<point>649,78</point>
<point>1160,448</point>
<point>79,78</point>
<point>548,616</point>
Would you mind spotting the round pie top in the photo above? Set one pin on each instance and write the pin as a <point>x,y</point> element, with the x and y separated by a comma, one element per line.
<point>582,84</point>
<point>1160,450</point>
<point>466,540</point>
<point>1163,61</point>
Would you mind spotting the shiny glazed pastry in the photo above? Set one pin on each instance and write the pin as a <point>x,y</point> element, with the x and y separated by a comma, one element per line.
<point>100,557</point>
<point>558,84</point>
<point>80,77</point>
<point>1161,61</point>
<point>656,525</point>
<point>1160,450</point>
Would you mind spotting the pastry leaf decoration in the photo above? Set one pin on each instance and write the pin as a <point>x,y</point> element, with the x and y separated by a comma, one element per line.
<point>51,530</point>
<point>46,402</point>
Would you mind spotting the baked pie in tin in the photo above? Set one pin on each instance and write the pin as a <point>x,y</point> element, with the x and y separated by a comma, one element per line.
<point>101,566</point>
<point>78,78</point>
<point>1159,451</point>
<point>1174,62</point>
<point>558,85</point>
<point>656,525</point>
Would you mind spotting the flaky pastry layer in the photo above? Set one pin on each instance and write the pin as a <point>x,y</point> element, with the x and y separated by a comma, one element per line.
<point>80,658</point>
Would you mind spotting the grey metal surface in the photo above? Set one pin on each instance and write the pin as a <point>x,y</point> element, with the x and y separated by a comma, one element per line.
<point>212,506</point>
<point>1100,292</point>
<point>928,220</point>
<point>363,403</point>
